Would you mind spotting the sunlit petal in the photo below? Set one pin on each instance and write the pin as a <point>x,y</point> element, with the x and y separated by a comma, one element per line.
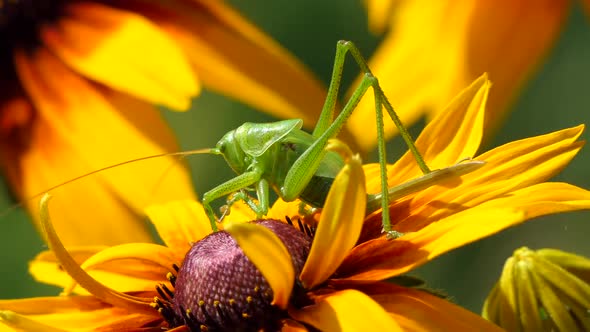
<point>416,310</point>
<point>340,224</point>
<point>445,141</point>
<point>151,67</point>
<point>179,223</point>
<point>381,258</point>
<point>347,310</point>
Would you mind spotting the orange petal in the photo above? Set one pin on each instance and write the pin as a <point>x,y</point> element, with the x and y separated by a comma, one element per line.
<point>340,224</point>
<point>81,132</point>
<point>71,313</point>
<point>236,59</point>
<point>180,224</point>
<point>268,253</point>
<point>416,310</point>
<point>135,260</point>
<point>373,259</point>
<point>380,259</point>
<point>434,51</point>
<point>347,310</point>
<point>124,51</point>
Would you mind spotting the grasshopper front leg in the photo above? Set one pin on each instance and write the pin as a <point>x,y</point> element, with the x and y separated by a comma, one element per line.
<point>241,181</point>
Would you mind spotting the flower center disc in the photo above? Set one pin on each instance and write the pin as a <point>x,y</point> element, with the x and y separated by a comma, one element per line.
<point>218,287</point>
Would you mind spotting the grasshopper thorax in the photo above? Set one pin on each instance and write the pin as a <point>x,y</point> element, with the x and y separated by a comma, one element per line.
<point>249,141</point>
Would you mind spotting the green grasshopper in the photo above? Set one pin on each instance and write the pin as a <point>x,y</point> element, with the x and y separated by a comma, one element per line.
<point>296,164</point>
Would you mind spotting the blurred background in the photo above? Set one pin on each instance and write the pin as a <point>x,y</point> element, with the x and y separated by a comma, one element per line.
<point>558,96</point>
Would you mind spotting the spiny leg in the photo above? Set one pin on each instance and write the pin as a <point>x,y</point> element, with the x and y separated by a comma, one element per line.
<point>304,168</point>
<point>259,206</point>
<point>241,181</point>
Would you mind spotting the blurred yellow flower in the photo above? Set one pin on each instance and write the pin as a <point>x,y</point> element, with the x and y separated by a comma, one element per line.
<point>434,49</point>
<point>79,79</point>
<point>541,290</point>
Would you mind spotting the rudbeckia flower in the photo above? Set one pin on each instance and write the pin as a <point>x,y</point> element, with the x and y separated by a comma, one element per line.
<point>329,277</point>
<point>265,275</point>
<point>541,290</point>
<point>433,50</point>
<point>79,79</point>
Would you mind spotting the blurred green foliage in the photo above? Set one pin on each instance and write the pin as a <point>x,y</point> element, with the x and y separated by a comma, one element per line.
<point>556,98</point>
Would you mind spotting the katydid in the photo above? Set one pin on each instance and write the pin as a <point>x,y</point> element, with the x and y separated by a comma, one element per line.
<point>296,164</point>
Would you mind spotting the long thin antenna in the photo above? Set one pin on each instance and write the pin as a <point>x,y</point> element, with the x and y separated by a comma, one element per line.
<point>168,154</point>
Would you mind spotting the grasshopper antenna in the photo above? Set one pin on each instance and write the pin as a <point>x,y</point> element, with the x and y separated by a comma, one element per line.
<point>181,154</point>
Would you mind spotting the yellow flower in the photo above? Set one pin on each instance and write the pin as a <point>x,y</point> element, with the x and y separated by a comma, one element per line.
<point>217,287</point>
<point>78,82</point>
<point>543,290</point>
<point>339,274</point>
<point>433,50</point>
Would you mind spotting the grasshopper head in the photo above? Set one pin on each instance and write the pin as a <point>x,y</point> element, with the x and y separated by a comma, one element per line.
<point>232,152</point>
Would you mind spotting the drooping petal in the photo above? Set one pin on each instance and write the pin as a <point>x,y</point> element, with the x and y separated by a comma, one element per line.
<point>124,51</point>
<point>340,224</point>
<point>84,131</point>
<point>435,50</point>
<point>102,292</point>
<point>179,223</point>
<point>269,255</point>
<point>347,310</point>
<point>235,58</point>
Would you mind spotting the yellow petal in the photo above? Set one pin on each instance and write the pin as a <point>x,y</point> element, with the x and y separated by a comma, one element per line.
<point>179,223</point>
<point>140,260</point>
<point>347,310</point>
<point>509,167</point>
<point>74,313</point>
<point>268,253</point>
<point>106,294</point>
<point>82,132</point>
<point>435,50</point>
<point>416,310</point>
<point>381,258</point>
<point>340,224</point>
<point>124,51</point>
<point>233,57</point>
<point>455,134</point>
<point>21,323</point>
<point>379,14</point>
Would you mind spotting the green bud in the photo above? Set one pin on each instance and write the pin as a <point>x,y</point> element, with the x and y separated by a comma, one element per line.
<point>543,290</point>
